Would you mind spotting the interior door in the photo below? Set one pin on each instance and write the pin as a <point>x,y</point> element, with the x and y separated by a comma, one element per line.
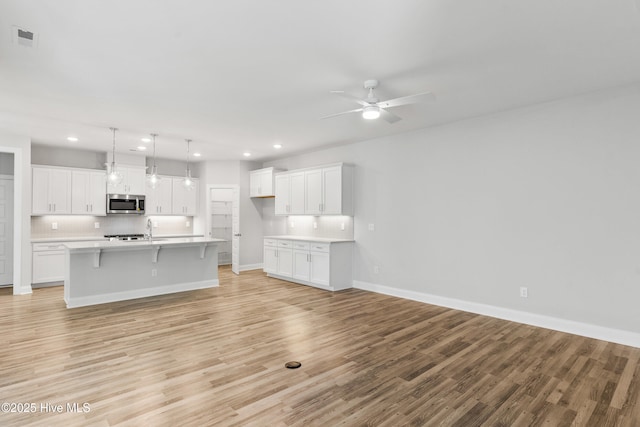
<point>6,231</point>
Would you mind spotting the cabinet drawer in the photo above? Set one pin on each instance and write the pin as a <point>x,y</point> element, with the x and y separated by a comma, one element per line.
<point>285,244</point>
<point>38,247</point>
<point>304,246</point>
<point>270,242</point>
<point>320,247</point>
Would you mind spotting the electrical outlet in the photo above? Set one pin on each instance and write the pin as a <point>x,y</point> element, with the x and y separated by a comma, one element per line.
<point>342,226</point>
<point>96,225</point>
<point>524,292</point>
<point>154,273</point>
<point>188,224</point>
<point>315,225</point>
<point>155,224</point>
<point>54,225</point>
<point>376,269</point>
<point>292,224</point>
<point>372,227</point>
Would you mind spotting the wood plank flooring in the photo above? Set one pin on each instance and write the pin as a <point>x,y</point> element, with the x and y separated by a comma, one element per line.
<point>216,357</point>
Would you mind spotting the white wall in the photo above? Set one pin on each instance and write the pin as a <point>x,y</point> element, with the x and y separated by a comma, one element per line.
<point>546,197</point>
<point>20,146</point>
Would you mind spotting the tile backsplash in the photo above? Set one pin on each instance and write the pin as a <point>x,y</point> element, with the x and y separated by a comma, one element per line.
<point>84,226</point>
<point>338,227</point>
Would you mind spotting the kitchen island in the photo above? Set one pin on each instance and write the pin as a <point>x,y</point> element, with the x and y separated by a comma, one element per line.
<point>108,271</point>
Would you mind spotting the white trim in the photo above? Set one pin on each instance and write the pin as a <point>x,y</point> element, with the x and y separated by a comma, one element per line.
<point>557,324</point>
<point>248,267</point>
<point>19,287</point>
<point>140,293</point>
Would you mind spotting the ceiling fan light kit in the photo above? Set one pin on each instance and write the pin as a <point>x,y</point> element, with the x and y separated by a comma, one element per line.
<point>371,113</point>
<point>372,108</point>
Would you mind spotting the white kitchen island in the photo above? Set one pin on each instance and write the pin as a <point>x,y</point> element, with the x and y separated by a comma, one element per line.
<point>108,271</point>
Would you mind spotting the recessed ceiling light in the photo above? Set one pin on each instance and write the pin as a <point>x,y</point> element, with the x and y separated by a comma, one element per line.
<point>277,146</point>
<point>197,154</point>
<point>146,140</point>
<point>72,139</point>
<point>142,148</point>
<point>246,154</point>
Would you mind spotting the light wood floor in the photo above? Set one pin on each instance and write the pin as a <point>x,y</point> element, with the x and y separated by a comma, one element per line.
<point>216,357</point>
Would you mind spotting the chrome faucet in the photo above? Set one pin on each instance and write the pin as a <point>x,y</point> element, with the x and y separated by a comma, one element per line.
<point>150,228</point>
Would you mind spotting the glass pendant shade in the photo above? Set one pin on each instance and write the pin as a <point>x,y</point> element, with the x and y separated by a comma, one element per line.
<point>114,176</point>
<point>187,182</point>
<point>153,180</point>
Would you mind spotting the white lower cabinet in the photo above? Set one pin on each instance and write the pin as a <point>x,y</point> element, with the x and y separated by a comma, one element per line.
<point>320,264</point>
<point>48,262</point>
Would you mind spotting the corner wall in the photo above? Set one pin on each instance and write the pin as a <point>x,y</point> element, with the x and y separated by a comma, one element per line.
<point>545,197</point>
<point>20,146</point>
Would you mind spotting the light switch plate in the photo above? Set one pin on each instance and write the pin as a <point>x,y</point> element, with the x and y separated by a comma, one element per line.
<point>54,225</point>
<point>96,225</point>
<point>372,227</point>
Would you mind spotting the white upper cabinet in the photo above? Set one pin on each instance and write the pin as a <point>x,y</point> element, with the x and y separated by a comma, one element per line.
<point>261,182</point>
<point>88,192</point>
<point>51,191</point>
<point>159,200</point>
<point>133,181</point>
<point>282,192</point>
<point>185,202</point>
<point>324,190</point>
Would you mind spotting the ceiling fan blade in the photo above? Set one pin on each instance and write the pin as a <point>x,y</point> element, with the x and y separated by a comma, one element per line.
<point>389,117</point>
<point>411,99</point>
<point>340,114</point>
<point>348,96</point>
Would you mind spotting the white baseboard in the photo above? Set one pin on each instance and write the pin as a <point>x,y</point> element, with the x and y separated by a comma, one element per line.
<point>140,293</point>
<point>248,267</point>
<point>577,328</point>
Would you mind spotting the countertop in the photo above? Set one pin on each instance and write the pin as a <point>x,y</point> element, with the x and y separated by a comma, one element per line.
<point>106,244</point>
<point>310,239</point>
<point>101,238</point>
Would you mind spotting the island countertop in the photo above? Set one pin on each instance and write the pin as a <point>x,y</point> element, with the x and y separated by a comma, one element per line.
<point>139,244</point>
<point>310,239</point>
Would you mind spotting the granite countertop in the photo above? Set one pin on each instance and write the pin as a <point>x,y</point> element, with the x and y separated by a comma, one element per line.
<point>310,239</point>
<point>115,244</point>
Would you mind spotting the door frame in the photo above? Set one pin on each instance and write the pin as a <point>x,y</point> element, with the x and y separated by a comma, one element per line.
<point>18,178</point>
<point>235,187</point>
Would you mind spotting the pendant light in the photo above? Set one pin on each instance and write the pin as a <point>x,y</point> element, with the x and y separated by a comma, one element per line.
<point>114,176</point>
<point>187,182</point>
<point>153,180</point>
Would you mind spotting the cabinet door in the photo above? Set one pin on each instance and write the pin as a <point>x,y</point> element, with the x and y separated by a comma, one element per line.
<point>282,203</point>
<point>79,183</point>
<point>40,191</point>
<point>254,184</point>
<point>179,197</point>
<point>135,181</point>
<point>285,262</point>
<point>97,193</point>
<point>301,265</point>
<point>159,200</point>
<point>332,190</point>
<point>191,200</point>
<point>319,272</point>
<point>60,190</point>
<point>266,183</point>
<point>270,259</point>
<point>313,192</point>
<point>297,194</point>
<point>48,266</point>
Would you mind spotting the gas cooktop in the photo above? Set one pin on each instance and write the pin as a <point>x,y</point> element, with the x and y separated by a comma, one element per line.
<point>124,236</point>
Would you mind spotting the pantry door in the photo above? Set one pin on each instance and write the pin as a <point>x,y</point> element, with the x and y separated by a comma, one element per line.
<point>6,231</point>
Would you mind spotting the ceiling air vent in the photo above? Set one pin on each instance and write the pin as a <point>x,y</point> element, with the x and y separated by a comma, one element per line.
<point>24,37</point>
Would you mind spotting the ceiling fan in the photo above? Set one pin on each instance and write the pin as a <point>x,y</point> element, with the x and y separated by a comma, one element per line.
<point>373,108</point>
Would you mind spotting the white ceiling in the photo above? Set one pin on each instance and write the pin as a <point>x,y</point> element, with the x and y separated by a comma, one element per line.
<point>242,75</point>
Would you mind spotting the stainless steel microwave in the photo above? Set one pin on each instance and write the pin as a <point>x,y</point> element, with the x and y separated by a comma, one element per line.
<point>125,204</point>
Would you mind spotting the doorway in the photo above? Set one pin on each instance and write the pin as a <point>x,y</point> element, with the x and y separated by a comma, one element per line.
<point>6,230</point>
<point>223,222</point>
